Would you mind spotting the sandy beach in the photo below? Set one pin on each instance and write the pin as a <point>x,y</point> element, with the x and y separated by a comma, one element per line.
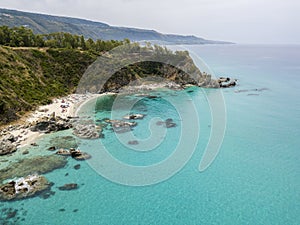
<point>62,107</point>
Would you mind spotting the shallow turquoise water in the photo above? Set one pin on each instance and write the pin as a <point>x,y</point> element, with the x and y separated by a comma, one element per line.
<point>254,179</point>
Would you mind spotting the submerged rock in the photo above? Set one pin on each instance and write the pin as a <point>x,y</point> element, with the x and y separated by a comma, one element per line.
<point>88,131</point>
<point>76,154</point>
<point>135,142</point>
<point>77,167</point>
<point>39,164</point>
<point>63,142</point>
<point>168,123</point>
<point>120,126</point>
<point>23,187</point>
<point>68,187</point>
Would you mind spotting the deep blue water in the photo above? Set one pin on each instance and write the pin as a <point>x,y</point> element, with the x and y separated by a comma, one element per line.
<point>253,180</point>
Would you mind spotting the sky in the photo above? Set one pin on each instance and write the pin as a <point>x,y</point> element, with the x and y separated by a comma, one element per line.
<point>240,21</point>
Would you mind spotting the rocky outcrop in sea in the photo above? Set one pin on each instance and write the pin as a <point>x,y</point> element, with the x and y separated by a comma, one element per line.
<point>23,187</point>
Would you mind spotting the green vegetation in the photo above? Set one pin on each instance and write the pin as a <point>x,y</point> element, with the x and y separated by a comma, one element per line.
<point>24,37</point>
<point>31,77</point>
<point>36,68</point>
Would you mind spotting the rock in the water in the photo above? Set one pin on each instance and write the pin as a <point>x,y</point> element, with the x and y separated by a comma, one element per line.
<point>52,148</point>
<point>23,187</point>
<point>39,164</point>
<point>78,155</point>
<point>7,145</point>
<point>77,167</point>
<point>86,131</point>
<point>133,116</point>
<point>67,187</point>
<point>25,152</point>
<point>168,123</point>
<point>120,126</point>
<point>63,152</point>
<point>133,142</point>
<point>65,142</point>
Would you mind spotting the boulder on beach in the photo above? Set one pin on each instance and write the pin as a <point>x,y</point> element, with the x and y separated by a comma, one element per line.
<point>51,124</point>
<point>7,144</point>
<point>23,187</point>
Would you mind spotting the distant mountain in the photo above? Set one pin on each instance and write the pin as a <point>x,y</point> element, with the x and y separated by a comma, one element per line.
<point>42,24</point>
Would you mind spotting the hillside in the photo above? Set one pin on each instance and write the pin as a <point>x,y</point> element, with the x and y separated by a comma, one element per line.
<point>32,76</point>
<point>36,68</point>
<point>44,24</point>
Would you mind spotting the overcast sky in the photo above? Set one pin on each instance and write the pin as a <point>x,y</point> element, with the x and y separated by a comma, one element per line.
<point>241,21</point>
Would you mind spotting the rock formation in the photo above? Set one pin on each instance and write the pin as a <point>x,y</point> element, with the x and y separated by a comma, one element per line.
<point>76,154</point>
<point>88,131</point>
<point>38,164</point>
<point>51,124</point>
<point>7,144</point>
<point>23,187</point>
<point>133,116</point>
<point>68,187</point>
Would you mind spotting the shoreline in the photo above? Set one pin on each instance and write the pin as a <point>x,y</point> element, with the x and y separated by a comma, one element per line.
<point>67,107</point>
<point>63,107</point>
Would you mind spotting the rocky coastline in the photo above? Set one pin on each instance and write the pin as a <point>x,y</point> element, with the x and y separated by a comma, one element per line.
<point>23,187</point>
<point>53,119</point>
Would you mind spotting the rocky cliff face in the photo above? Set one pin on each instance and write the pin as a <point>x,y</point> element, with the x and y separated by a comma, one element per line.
<point>131,62</point>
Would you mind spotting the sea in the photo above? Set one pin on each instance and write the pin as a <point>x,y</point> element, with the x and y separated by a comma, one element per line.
<point>247,139</point>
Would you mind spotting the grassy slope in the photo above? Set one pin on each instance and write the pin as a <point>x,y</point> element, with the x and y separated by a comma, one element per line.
<point>30,77</point>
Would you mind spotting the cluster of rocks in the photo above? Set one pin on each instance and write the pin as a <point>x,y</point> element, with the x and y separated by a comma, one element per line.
<point>120,126</point>
<point>76,154</point>
<point>87,131</point>
<point>8,144</point>
<point>23,187</point>
<point>168,123</point>
<point>225,82</point>
<point>51,124</point>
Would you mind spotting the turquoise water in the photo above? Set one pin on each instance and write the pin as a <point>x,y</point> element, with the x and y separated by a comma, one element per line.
<point>253,180</point>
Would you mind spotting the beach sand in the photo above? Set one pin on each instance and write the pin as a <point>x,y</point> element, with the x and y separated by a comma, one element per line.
<point>63,107</point>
